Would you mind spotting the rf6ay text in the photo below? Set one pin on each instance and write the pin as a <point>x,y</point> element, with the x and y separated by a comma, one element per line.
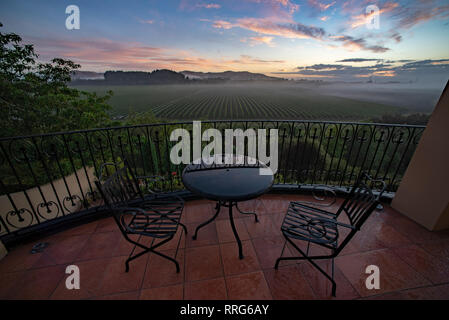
<point>236,309</point>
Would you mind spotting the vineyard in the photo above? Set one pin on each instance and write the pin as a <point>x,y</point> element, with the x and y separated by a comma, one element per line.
<point>238,101</point>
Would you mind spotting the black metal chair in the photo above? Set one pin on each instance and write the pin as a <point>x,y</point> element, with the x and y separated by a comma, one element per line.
<point>307,222</point>
<point>154,215</point>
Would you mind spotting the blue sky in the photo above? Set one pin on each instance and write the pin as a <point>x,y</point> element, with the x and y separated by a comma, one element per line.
<point>311,38</point>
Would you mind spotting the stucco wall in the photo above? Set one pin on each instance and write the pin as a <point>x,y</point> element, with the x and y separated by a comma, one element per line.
<point>50,196</point>
<point>423,194</point>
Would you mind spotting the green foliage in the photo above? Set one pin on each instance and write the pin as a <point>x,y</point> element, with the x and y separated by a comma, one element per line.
<point>139,77</point>
<point>141,118</point>
<point>397,118</point>
<point>35,97</point>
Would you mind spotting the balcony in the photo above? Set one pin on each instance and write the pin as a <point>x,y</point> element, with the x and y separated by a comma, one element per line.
<point>413,261</point>
<point>49,196</point>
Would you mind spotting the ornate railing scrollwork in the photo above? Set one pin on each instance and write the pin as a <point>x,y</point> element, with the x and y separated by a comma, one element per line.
<point>48,210</point>
<point>23,218</point>
<point>50,176</point>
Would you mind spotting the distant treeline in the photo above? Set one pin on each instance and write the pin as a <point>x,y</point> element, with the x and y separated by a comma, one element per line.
<point>137,77</point>
<point>164,76</point>
<point>396,118</point>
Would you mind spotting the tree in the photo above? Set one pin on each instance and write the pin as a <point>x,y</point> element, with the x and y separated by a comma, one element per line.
<point>35,97</point>
<point>397,118</point>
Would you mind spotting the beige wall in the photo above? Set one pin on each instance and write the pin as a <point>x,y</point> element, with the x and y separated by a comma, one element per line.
<point>423,194</point>
<point>35,198</point>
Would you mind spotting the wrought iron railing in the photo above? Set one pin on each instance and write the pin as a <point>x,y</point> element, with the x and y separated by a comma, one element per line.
<point>51,176</point>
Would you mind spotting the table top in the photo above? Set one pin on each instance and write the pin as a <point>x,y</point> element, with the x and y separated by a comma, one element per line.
<point>227,182</point>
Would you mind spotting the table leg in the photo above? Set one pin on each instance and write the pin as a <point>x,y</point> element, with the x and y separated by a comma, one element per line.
<point>231,219</point>
<point>243,212</point>
<point>208,221</point>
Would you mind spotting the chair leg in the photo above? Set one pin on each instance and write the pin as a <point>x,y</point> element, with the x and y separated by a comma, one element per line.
<point>151,249</point>
<point>283,248</point>
<point>184,227</point>
<point>155,252</point>
<point>278,260</point>
<point>280,257</point>
<point>305,257</point>
<point>334,286</point>
<point>131,258</point>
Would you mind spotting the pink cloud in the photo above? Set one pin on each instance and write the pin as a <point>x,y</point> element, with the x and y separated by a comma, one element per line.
<point>356,44</point>
<point>209,5</point>
<point>105,54</point>
<point>410,16</point>
<point>246,60</point>
<point>287,4</point>
<point>268,26</point>
<point>190,5</point>
<point>286,29</point>
<point>321,6</point>
<point>220,24</point>
<point>146,21</point>
<point>361,19</point>
<point>259,40</point>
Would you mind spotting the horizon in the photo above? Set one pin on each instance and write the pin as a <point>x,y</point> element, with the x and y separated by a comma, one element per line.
<point>311,39</point>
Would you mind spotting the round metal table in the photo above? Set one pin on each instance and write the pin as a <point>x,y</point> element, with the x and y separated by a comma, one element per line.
<point>227,184</point>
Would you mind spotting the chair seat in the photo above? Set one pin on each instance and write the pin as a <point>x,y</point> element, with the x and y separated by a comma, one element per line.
<point>154,215</point>
<point>315,210</point>
<point>317,226</point>
<point>307,223</point>
<point>160,220</point>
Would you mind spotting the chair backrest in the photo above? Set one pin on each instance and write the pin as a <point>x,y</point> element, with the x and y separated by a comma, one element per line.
<point>361,201</point>
<point>120,187</point>
<point>358,205</point>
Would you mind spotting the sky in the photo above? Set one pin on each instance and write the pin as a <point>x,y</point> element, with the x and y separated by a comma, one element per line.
<point>314,39</point>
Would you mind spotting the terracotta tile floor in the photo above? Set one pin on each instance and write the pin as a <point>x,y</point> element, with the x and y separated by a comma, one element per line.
<point>413,262</point>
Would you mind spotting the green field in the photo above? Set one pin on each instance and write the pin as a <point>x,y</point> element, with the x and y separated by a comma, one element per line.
<point>238,101</point>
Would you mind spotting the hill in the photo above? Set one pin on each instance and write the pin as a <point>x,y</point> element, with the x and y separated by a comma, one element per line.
<point>229,75</point>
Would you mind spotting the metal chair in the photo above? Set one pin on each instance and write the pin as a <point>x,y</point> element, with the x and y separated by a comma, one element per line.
<point>305,221</point>
<point>154,215</point>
